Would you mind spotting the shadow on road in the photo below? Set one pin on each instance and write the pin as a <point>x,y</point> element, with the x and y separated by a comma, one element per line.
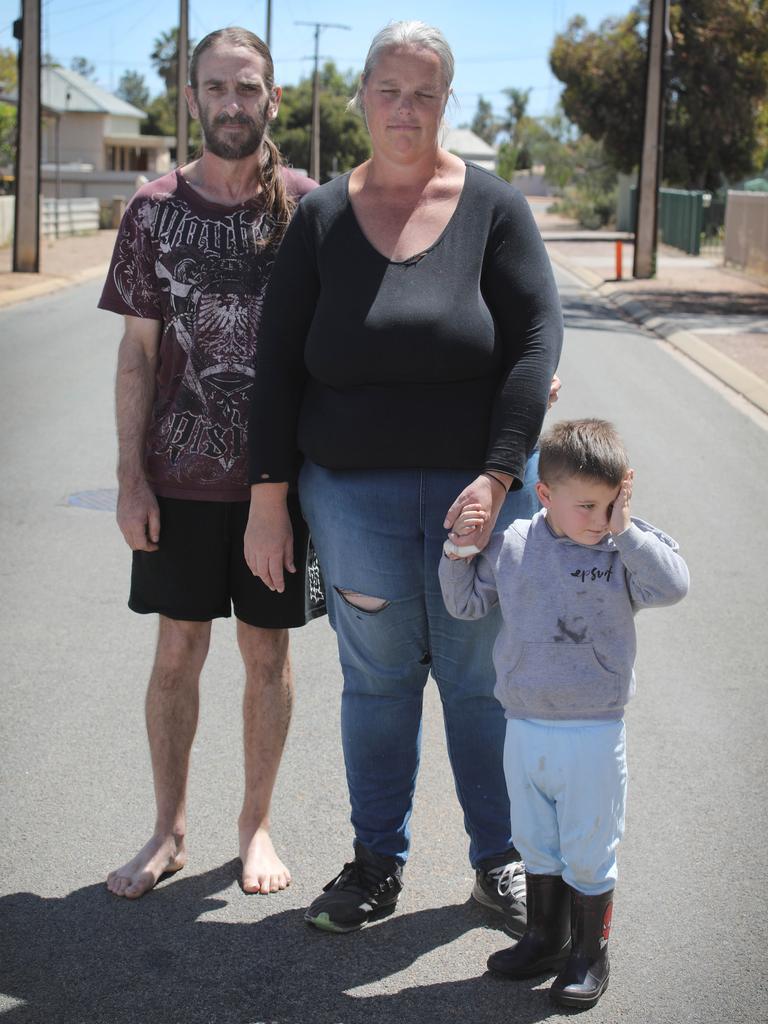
<point>89,957</point>
<point>589,314</point>
<point>705,303</point>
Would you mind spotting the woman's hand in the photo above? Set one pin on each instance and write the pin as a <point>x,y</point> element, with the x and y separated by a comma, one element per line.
<point>485,495</point>
<point>268,542</point>
<point>554,388</point>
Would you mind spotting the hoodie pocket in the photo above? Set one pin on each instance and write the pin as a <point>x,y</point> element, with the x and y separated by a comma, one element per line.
<point>562,677</point>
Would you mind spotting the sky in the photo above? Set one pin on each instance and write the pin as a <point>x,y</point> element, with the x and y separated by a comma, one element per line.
<point>496,43</point>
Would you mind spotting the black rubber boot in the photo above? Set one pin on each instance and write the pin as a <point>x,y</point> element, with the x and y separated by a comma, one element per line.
<point>547,938</point>
<point>585,977</point>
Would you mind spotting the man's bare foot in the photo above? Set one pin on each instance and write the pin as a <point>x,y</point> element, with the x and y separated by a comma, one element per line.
<point>163,855</point>
<point>263,871</point>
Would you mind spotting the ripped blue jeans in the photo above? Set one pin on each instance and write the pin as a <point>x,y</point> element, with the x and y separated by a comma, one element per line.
<point>379,533</point>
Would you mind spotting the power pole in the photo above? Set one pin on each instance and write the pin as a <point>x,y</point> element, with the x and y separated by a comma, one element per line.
<point>646,224</point>
<point>268,39</point>
<point>314,150</point>
<point>26,226</point>
<point>182,68</point>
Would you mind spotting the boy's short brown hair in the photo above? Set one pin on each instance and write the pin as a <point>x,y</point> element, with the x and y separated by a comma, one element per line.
<point>590,448</point>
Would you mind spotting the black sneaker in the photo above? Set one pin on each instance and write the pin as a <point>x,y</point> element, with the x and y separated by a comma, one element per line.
<point>503,889</point>
<point>365,890</point>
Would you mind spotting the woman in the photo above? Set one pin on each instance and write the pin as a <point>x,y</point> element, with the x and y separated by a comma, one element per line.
<point>409,339</point>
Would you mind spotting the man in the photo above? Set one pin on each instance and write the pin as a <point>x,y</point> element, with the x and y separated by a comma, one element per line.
<point>189,270</point>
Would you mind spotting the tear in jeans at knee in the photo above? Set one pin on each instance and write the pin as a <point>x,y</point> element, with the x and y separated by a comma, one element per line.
<point>361,601</point>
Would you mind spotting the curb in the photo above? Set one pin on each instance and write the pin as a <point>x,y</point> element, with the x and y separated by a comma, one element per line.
<point>49,285</point>
<point>727,370</point>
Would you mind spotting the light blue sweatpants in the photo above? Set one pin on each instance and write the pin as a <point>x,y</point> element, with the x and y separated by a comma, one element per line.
<point>567,784</point>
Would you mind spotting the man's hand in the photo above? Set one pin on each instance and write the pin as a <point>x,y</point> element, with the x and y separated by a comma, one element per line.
<point>268,542</point>
<point>620,514</point>
<point>138,516</point>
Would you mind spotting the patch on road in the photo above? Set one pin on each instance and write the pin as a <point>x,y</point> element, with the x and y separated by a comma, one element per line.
<point>104,500</point>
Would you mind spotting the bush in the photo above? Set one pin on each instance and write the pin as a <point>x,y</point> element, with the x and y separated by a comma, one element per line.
<point>592,210</point>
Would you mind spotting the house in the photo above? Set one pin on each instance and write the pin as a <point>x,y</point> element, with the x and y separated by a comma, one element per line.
<point>470,147</point>
<point>90,142</point>
<point>86,125</point>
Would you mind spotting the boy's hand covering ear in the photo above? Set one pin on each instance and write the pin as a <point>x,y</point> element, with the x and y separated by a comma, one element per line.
<point>620,514</point>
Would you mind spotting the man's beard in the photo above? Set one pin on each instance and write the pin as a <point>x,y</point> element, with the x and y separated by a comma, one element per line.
<point>240,146</point>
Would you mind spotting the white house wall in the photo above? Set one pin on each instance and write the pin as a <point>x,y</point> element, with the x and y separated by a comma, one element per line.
<point>80,139</point>
<point>117,125</point>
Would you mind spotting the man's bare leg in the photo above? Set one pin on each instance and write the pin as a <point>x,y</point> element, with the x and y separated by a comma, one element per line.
<point>267,707</point>
<point>171,710</point>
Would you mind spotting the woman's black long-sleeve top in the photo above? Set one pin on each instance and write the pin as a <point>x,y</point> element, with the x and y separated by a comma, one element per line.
<point>443,360</point>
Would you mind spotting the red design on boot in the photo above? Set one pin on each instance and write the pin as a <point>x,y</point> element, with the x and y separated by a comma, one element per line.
<point>607,917</point>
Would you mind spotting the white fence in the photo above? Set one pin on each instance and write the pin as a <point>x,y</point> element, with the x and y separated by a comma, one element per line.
<point>7,207</point>
<point>746,231</point>
<point>68,216</point>
<point>57,217</point>
<point>71,183</point>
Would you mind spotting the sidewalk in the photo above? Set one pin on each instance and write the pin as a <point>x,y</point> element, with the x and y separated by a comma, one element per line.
<point>715,315</point>
<point>63,262</point>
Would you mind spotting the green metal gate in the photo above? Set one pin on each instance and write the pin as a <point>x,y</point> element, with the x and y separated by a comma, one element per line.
<point>684,216</point>
<point>681,215</point>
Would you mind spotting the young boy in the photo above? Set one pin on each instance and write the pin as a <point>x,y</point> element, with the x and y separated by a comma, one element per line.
<point>568,583</point>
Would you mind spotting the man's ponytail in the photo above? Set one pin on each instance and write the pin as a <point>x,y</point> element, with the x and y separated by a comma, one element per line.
<point>280,205</point>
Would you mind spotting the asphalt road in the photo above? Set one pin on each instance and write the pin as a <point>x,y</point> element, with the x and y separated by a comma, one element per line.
<point>690,930</point>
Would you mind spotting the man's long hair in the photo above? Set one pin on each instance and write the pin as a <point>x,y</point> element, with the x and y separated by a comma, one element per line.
<point>279,203</point>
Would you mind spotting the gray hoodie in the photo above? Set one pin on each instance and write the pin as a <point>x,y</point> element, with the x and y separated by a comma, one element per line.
<point>567,645</point>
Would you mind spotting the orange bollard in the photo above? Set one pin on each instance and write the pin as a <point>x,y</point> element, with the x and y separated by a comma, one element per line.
<point>619,261</point>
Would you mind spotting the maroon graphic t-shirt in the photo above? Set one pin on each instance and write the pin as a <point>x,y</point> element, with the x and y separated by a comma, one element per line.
<point>201,270</point>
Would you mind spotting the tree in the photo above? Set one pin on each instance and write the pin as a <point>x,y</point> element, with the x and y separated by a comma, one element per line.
<point>590,195</point>
<point>717,80</point>
<point>165,56</point>
<point>343,139</point>
<point>7,111</point>
<point>485,123</point>
<point>761,159</point>
<point>517,109</point>
<point>8,70</point>
<point>546,140</point>
<point>133,89</point>
<point>519,127</point>
<point>161,111</point>
<point>506,161</point>
<point>83,67</point>
<point>557,150</point>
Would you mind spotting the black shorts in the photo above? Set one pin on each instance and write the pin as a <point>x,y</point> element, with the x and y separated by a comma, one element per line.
<point>199,571</point>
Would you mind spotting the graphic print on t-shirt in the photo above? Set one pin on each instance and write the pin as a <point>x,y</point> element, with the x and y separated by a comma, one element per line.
<point>202,271</point>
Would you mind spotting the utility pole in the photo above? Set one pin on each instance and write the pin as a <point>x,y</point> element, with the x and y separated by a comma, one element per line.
<point>182,68</point>
<point>646,224</point>
<point>26,226</point>
<point>314,151</point>
<point>268,39</point>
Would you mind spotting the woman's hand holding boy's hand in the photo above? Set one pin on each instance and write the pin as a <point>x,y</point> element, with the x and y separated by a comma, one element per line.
<point>485,497</point>
<point>620,514</point>
<point>471,518</point>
